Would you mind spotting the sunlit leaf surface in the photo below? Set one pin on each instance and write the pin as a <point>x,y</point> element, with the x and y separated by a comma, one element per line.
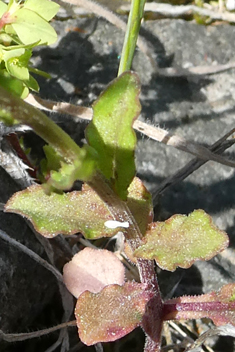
<point>77,211</point>
<point>111,134</point>
<point>111,313</point>
<point>181,240</point>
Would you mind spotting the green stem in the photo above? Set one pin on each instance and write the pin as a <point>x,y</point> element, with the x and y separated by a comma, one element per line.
<point>14,110</point>
<point>132,32</point>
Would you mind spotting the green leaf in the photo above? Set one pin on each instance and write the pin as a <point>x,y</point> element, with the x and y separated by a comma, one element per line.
<point>52,161</point>
<point>17,65</point>
<point>110,314</point>
<point>80,169</point>
<point>13,86</point>
<point>181,240</point>
<point>46,9</point>
<point>3,8</point>
<point>39,72</point>
<point>31,27</point>
<point>78,211</point>
<point>32,84</point>
<point>78,163</point>
<point>10,54</point>
<point>5,39</point>
<point>140,203</point>
<point>218,306</point>
<point>111,134</point>
<point>15,69</point>
<point>67,213</point>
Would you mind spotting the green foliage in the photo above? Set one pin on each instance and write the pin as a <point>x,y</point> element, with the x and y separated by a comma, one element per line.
<point>22,27</point>
<point>75,162</point>
<point>107,308</point>
<point>182,240</point>
<point>67,213</point>
<point>110,133</point>
<point>78,211</point>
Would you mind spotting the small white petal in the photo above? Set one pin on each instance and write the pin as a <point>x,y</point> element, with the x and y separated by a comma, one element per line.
<point>113,224</point>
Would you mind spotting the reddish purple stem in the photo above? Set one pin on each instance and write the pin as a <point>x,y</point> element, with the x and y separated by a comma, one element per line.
<point>152,319</point>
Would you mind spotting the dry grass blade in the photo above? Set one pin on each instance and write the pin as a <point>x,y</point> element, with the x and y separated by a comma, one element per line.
<point>31,335</point>
<point>225,330</point>
<point>167,138</point>
<point>155,133</point>
<point>173,11</point>
<point>32,255</point>
<point>80,112</point>
<point>218,147</point>
<point>13,165</point>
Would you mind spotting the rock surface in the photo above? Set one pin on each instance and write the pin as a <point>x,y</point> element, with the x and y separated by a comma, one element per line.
<point>200,109</point>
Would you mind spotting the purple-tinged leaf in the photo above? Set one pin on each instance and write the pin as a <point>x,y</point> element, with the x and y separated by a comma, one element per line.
<point>112,313</point>
<point>181,240</point>
<point>92,270</point>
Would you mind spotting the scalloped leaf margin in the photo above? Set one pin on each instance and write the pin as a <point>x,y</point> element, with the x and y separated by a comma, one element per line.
<point>112,313</point>
<point>77,211</point>
<point>181,240</point>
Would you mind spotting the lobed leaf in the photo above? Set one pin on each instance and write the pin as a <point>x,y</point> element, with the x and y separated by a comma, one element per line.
<point>217,306</point>
<point>92,270</point>
<point>66,213</point>
<point>78,211</point>
<point>112,313</point>
<point>111,134</point>
<point>181,240</point>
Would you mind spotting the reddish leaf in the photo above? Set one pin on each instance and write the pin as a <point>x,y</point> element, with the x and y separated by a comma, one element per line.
<point>92,270</point>
<point>110,314</point>
<point>181,240</point>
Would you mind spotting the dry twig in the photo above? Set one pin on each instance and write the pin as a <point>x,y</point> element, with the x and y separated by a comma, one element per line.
<point>31,335</point>
<point>218,147</point>
<point>155,133</point>
<point>31,254</point>
<point>174,11</point>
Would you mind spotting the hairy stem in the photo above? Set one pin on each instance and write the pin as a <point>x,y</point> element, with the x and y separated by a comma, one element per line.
<point>152,320</point>
<point>131,36</point>
<point>194,310</point>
